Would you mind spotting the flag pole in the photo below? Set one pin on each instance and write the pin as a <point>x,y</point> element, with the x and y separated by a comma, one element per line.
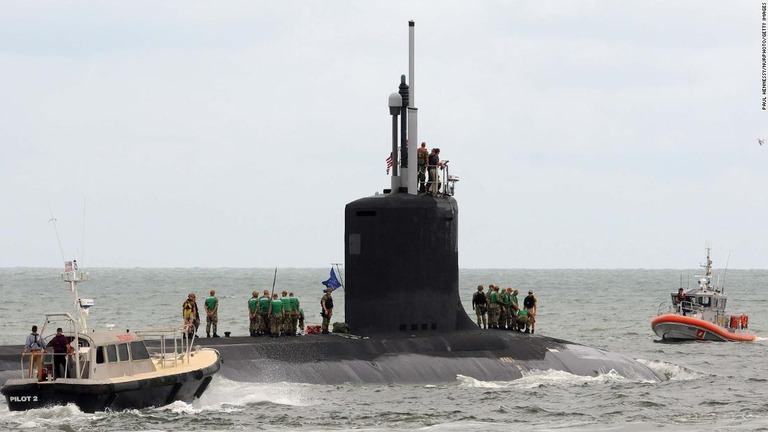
<point>274,279</point>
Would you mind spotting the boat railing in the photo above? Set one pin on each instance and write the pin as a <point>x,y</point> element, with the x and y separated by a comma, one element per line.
<point>41,364</point>
<point>665,308</point>
<point>445,182</point>
<point>32,364</point>
<point>173,347</point>
<point>682,308</point>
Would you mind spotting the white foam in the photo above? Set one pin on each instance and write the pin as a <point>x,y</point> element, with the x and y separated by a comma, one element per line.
<point>225,394</point>
<point>671,371</point>
<point>534,379</point>
<point>47,418</point>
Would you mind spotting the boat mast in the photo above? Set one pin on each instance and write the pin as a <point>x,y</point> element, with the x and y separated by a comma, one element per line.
<point>707,282</point>
<point>73,276</point>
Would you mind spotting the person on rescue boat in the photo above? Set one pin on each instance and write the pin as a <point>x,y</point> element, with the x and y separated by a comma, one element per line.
<point>679,299</point>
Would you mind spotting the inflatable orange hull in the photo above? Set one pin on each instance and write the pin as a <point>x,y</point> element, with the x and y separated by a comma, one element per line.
<point>673,327</point>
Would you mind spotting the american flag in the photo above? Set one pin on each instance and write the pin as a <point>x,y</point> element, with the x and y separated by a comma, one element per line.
<point>68,267</point>
<point>389,163</point>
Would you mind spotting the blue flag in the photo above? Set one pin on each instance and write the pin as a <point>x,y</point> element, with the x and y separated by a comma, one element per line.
<point>332,282</point>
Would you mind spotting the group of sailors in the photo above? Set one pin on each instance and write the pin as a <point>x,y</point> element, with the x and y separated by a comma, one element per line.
<point>275,316</point>
<point>502,309</point>
<point>268,315</point>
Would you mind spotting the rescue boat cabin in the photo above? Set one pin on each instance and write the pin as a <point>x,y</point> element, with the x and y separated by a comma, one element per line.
<point>702,302</point>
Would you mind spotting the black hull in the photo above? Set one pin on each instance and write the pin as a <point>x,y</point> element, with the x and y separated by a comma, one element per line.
<point>151,392</point>
<point>434,358</point>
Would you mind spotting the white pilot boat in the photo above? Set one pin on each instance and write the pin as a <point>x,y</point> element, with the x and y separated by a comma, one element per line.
<point>107,369</point>
<point>701,315</point>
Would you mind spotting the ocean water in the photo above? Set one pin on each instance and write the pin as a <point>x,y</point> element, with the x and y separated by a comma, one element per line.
<point>707,386</point>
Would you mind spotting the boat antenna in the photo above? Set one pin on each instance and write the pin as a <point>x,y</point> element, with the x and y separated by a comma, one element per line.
<point>82,241</point>
<point>58,239</point>
<point>728,260</point>
<point>339,272</point>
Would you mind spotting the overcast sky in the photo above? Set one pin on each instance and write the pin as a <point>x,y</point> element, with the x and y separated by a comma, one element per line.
<point>232,134</point>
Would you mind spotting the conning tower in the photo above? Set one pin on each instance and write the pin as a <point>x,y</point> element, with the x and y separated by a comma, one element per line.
<point>401,247</point>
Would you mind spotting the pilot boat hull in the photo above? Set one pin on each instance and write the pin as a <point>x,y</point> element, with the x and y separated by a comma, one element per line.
<point>673,327</point>
<point>154,389</point>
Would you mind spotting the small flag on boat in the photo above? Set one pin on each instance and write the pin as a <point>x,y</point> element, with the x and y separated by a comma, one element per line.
<point>69,266</point>
<point>389,162</point>
<point>332,282</point>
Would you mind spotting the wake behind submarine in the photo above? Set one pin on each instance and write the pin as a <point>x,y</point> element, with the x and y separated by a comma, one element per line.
<point>402,300</point>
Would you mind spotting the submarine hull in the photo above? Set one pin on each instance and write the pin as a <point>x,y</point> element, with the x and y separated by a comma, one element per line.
<point>436,358</point>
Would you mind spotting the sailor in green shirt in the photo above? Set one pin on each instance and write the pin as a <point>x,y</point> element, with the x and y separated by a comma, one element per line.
<point>522,320</point>
<point>294,318</point>
<point>276,315</point>
<point>253,313</point>
<point>513,308</point>
<point>287,311</point>
<point>493,308</point>
<point>211,314</point>
<point>264,304</point>
<point>505,315</point>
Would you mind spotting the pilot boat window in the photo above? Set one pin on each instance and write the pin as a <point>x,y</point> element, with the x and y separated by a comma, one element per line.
<point>122,349</point>
<point>100,355</point>
<point>112,353</point>
<point>139,351</point>
<point>705,301</point>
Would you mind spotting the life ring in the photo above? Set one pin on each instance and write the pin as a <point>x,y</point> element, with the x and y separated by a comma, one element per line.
<point>744,321</point>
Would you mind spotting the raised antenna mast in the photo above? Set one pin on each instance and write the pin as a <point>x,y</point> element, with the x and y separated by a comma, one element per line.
<point>58,239</point>
<point>728,260</point>
<point>410,180</point>
<point>82,241</point>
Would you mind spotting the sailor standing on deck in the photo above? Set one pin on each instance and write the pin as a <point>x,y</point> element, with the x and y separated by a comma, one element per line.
<point>513,309</point>
<point>327,304</point>
<point>493,307</point>
<point>287,311</point>
<point>480,305</point>
<point>530,303</point>
<point>422,155</point>
<point>211,314</point>
<point>190,314</point>
<point>35,347</point>
<point>264,304</point>
<point>434,163</point>
<point>294,318</point>
<point>253,313</point>
<point>61,349</point>
<point>505,302</point>
<point>276,315</point>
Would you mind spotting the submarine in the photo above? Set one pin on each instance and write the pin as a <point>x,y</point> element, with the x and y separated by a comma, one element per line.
<point>407,324</point>
<point>402,303</point>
